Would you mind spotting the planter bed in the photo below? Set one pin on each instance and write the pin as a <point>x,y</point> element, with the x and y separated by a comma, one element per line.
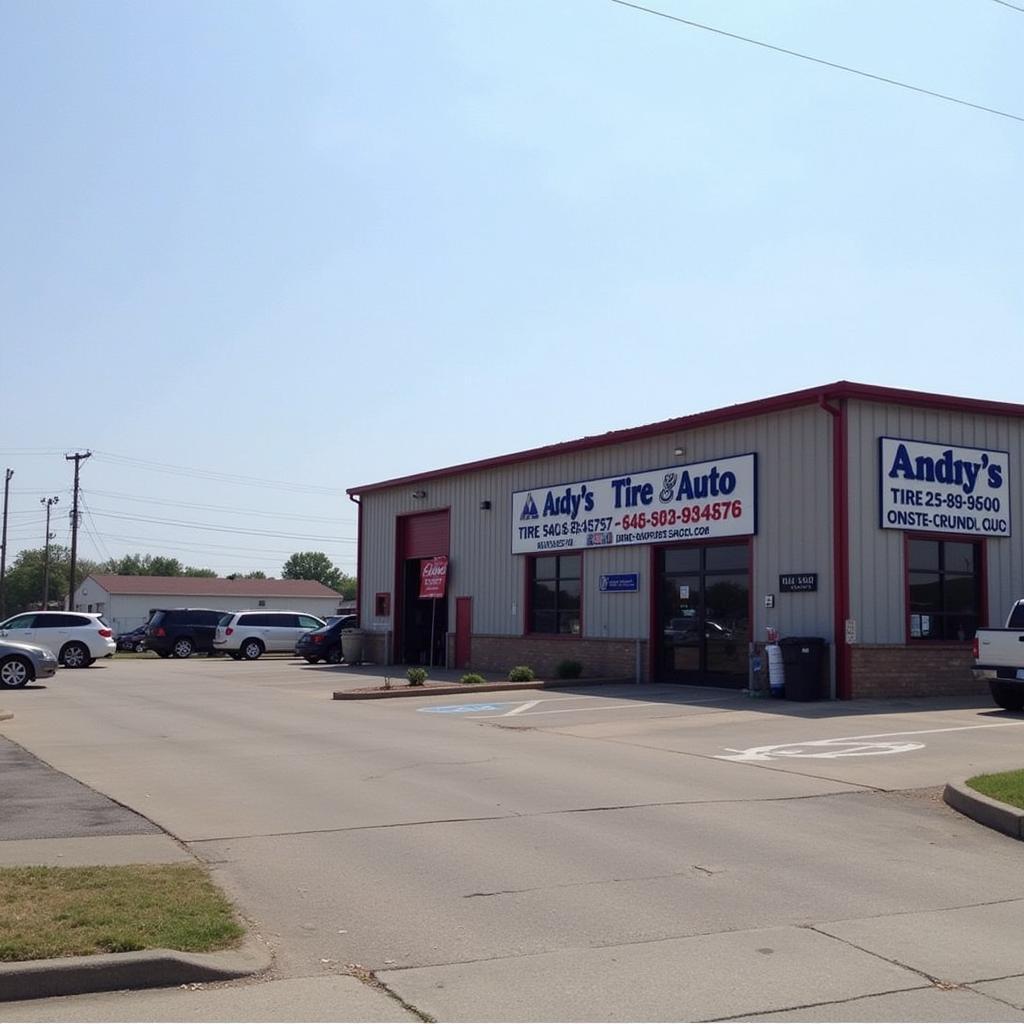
<point>444,689</point>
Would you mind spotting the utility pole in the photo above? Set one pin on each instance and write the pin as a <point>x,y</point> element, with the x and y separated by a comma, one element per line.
<point>77,458</point>
<point>49,503</point>
<point>3,546</point>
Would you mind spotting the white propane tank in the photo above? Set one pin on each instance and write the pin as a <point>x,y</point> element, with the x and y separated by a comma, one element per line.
<point>776,670</point>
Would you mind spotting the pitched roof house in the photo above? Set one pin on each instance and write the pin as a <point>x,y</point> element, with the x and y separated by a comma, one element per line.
<point>126,601</point>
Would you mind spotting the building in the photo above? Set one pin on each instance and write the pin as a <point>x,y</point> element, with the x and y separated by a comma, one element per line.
<point>126,601</point>
<point>878,519</point>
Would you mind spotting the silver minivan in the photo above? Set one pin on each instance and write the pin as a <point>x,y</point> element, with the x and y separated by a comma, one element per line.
<point>249,634</point>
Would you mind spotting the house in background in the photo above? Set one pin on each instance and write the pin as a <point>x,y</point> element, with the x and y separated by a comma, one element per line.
<point>126,601</point>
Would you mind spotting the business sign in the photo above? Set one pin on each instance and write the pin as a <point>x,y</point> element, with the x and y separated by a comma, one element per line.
<point>942,488</point>
<point>433,576</point>
<point>699,501</point>
<point>798,582</point>
<point>619,583</point>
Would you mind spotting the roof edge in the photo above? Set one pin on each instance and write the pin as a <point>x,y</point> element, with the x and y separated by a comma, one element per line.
<point>758,407</point>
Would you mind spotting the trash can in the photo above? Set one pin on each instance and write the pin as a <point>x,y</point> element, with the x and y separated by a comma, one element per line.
<point>804,660</point>
<point>352,645</point>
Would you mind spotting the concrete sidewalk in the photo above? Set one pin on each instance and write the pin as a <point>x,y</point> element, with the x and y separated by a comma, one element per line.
<point>49,819</point>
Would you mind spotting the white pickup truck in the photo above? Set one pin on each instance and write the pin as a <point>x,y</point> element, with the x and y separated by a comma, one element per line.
<point>999,658</point>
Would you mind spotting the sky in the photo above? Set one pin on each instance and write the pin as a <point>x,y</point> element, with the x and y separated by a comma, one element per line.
<point>256,253</point>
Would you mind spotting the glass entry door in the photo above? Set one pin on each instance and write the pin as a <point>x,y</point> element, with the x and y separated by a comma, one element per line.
<point>703,615</point>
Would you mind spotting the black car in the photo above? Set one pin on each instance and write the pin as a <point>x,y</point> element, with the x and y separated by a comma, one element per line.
<point>135,640</point>
<point>325,644</point>
<point>180,632</point>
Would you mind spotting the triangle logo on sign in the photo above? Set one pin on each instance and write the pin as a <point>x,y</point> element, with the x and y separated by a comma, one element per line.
<point>529,509</point>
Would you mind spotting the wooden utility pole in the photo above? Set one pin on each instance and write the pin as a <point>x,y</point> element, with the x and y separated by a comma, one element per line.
<point>49,503</point>
<point>77,458</point>
<point>3,546</point>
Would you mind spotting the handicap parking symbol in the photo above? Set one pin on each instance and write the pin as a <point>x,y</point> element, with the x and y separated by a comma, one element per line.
<point>461,709</point>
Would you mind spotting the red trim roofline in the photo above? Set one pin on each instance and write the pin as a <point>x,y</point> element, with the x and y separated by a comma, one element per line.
<point>760,407</point>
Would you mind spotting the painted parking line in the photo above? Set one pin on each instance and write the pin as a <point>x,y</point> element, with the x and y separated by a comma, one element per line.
<point>527,709</point>
<point>870,745</point>
<point>522,707</point>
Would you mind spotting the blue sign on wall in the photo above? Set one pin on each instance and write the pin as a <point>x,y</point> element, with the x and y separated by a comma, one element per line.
<point>619,583</point>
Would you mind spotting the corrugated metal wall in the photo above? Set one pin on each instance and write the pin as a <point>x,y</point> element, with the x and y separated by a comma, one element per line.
<point>877,596</point>
<point>794,526</point>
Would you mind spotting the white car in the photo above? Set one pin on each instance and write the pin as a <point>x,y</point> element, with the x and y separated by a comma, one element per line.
<point>250,634</point>
<point>75,639</point>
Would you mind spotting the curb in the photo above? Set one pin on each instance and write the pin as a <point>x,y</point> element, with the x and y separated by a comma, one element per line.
<point>405,690</point>
<point>4,715</point>
<point>109,972</point>
<point>983,809</point>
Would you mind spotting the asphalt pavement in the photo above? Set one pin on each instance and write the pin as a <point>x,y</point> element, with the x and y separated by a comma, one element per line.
<point>618,854</point>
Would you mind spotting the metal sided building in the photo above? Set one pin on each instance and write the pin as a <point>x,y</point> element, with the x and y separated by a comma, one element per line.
<point>881,520</point>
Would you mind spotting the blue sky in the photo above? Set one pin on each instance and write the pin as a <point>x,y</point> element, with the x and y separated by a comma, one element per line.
<point>324,244</point>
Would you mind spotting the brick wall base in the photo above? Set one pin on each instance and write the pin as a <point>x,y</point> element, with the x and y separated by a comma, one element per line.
<point>894,670</point>
<point>600,658</point>
<point>881,670</point>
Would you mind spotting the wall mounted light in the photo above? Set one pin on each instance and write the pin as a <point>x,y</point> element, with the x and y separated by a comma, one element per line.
<point>485,506</point>
<point>679,451</point>
<point>419,494</point>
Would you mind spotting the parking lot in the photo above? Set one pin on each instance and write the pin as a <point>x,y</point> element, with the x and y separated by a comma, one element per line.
<point>532,854</point>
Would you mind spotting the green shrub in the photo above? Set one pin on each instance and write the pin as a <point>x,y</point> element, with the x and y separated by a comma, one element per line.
<point>521,674</point>
<point>417,676</point>
<point>569,669</point>
<point>472,679</point>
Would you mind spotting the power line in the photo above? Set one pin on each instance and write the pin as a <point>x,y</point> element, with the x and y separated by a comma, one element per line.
<point>31,451</point>
<point>1013,7</point>
<point>90,526</point>
<point>108,514</point>
<point>211,474</point>
<point>206,547</point>
<point>818,60</point>
<point>218,551</point>
<point>220,508</point>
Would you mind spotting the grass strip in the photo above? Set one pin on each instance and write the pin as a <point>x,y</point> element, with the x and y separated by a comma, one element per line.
<point>50,912</point>
<point>1007,787</point>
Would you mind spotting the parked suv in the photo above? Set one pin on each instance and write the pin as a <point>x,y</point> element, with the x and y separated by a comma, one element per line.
<point>180,632</point>
<point>76,639</point>
<point>250,634</point>
<point>325,644</point>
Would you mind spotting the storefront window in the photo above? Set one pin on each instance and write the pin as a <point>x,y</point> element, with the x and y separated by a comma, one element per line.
<point>555,594</point>
<point>945,589</point>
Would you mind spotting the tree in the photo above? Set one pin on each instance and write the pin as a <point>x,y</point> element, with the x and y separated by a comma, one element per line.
<point>23,582</point>
<point>151,565</point>
<point>143,565</point>
<point>313,565</point>
<point>348,586</point>
<point>255,575</point>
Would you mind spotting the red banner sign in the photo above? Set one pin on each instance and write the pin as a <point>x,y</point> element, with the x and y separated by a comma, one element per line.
<point>433,576</point>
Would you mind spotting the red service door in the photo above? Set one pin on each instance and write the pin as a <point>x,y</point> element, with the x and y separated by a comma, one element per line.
<point>463,627</point>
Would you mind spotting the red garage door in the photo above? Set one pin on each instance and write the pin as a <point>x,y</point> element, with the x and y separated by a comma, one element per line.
<point>423,536</point>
